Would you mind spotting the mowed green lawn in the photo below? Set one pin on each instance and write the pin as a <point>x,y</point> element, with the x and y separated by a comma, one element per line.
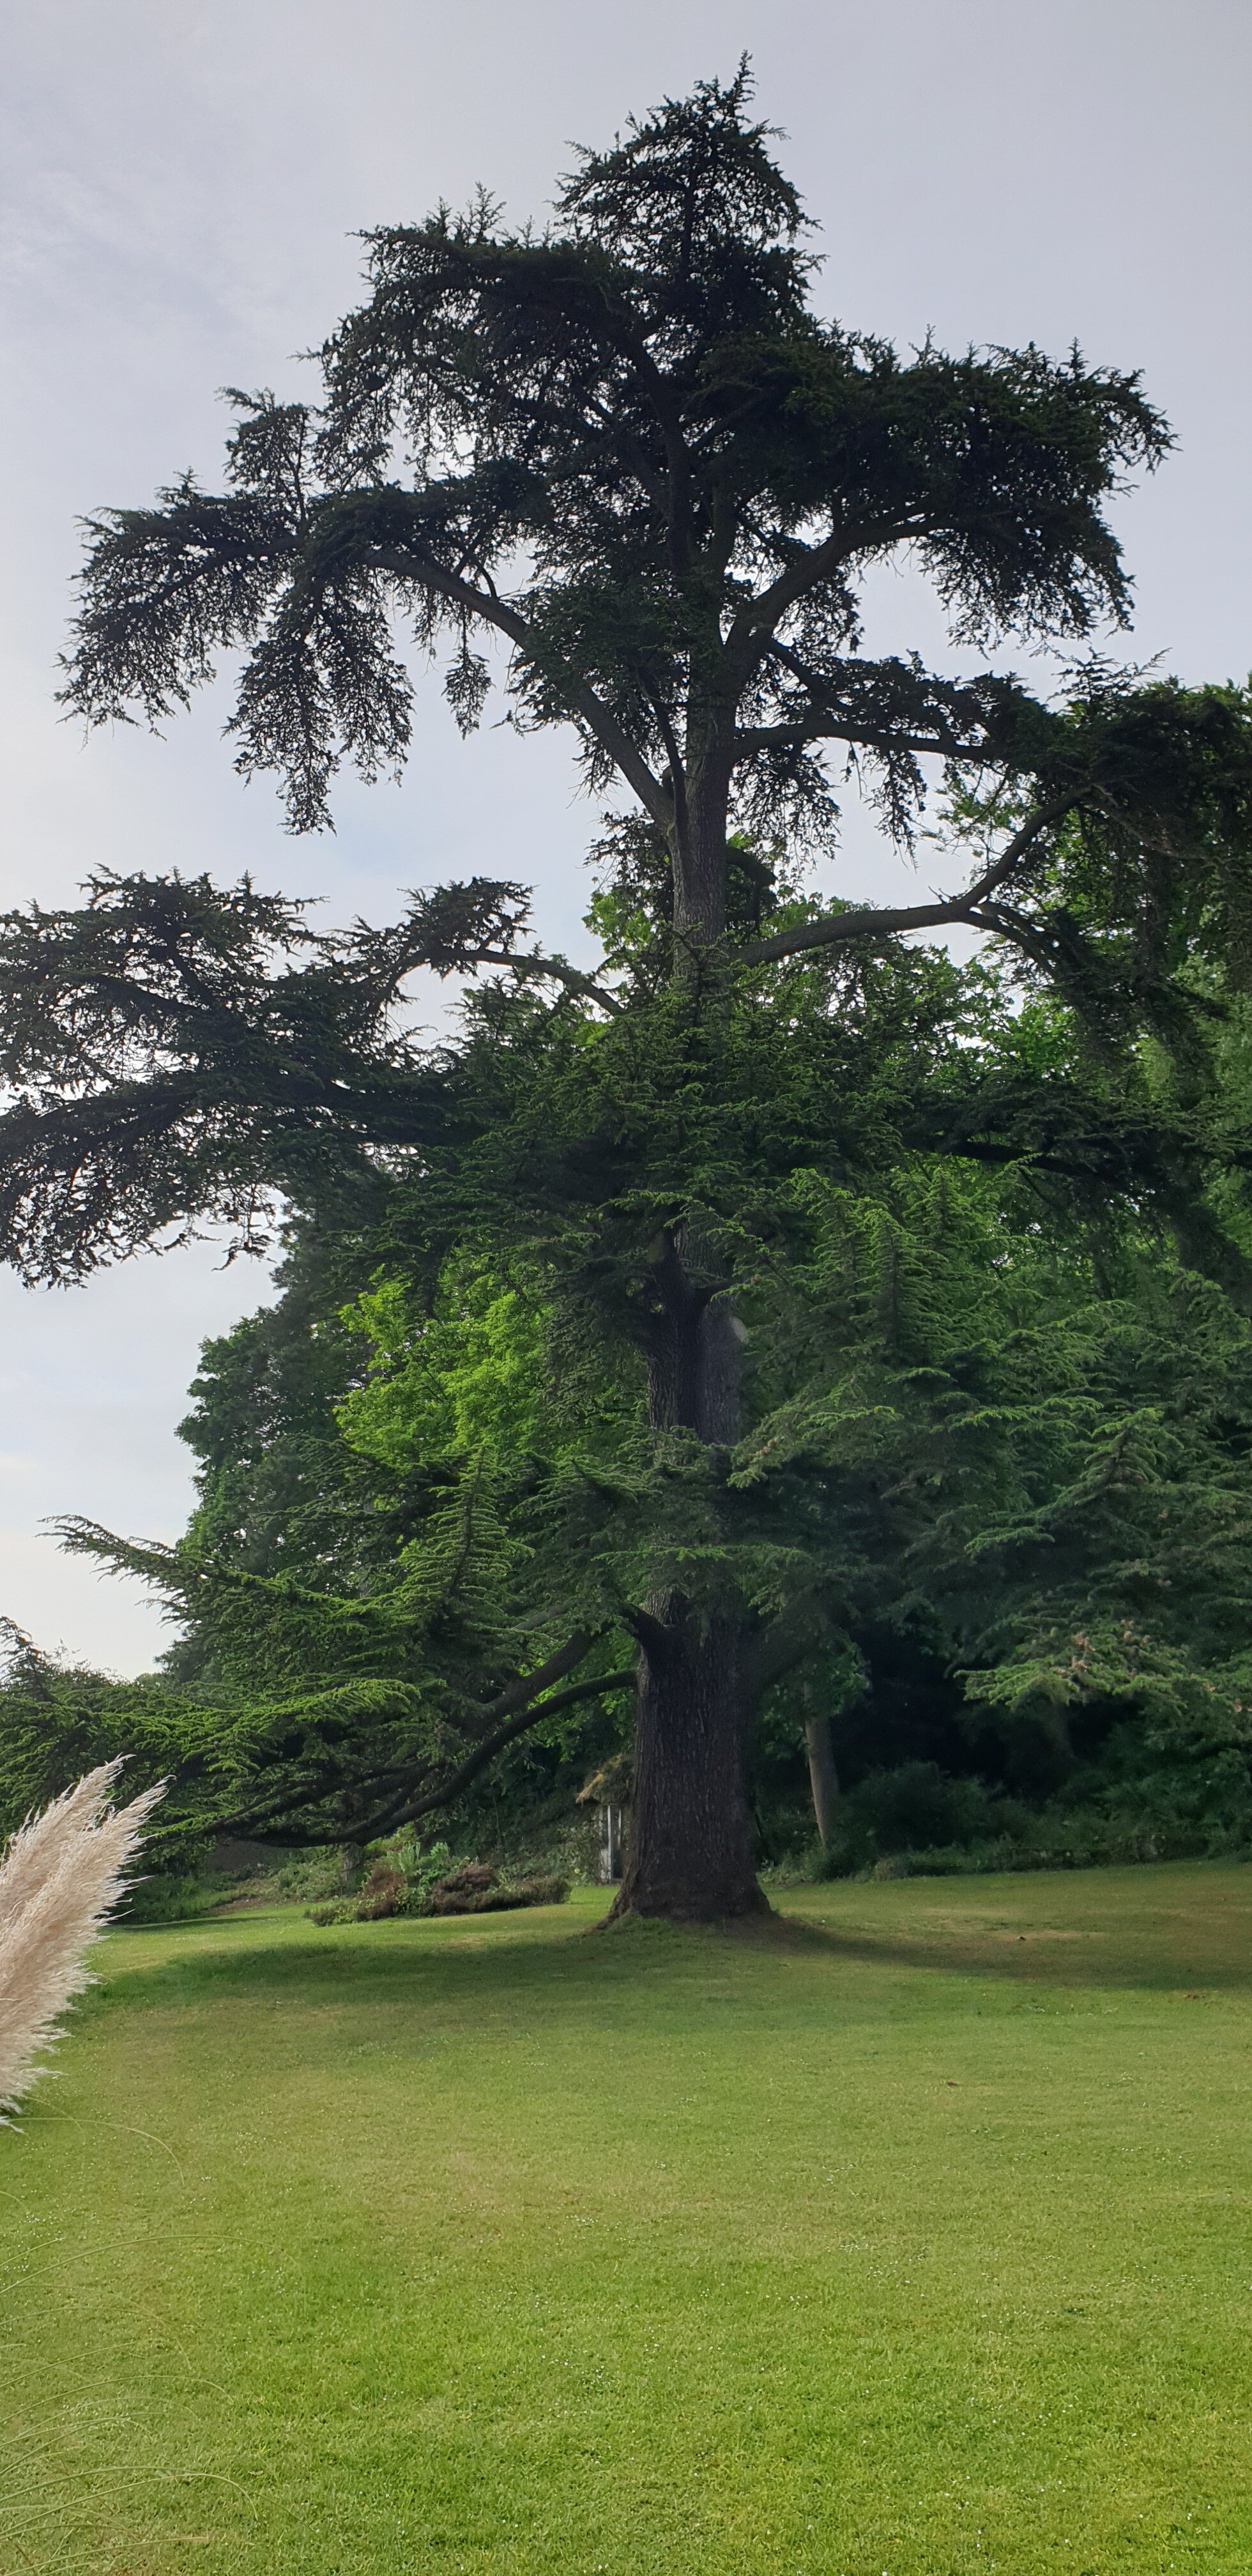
<point>915,2237</point>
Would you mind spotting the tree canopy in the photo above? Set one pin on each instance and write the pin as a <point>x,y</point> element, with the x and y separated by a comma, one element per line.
<point>816,1243</point>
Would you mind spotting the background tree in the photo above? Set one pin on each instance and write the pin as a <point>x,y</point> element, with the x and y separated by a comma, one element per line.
<point>632,449</point>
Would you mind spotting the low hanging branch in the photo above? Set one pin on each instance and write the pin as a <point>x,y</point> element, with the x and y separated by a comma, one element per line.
<point>259,1824</point>
<point>390,1818</point>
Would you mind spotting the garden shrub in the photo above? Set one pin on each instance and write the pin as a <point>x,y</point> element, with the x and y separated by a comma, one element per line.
<point>404,1879</point>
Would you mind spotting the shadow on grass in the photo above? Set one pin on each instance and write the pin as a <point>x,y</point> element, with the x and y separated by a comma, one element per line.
<point>1203,1943</point>
<point>548,1960</point>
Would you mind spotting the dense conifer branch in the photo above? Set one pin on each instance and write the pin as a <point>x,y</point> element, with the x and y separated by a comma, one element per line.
<point>293,1812</point>
<point>581,701</point>
<point>388,1819</point>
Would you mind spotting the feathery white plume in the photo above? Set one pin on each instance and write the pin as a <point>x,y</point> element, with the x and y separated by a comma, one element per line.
<point>60,1879</point>
<point>34,1849</point>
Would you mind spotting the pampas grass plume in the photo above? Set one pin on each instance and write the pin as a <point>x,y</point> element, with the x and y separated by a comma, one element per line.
<point>60,1879</point>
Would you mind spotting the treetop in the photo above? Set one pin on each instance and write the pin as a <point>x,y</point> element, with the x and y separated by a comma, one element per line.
<point>630,449</point>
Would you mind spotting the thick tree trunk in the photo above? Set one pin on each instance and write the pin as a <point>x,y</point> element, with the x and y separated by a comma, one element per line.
<point>692,1841</point>
<point>691,1852</point>
<point>698,847</point>
<point>691,1847</point>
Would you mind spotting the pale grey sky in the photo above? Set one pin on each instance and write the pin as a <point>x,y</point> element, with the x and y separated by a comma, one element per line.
<point>182,185</point>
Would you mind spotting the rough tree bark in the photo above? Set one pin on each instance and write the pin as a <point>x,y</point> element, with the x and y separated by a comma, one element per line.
<point>692,1841</point>
<point>691,1850</point>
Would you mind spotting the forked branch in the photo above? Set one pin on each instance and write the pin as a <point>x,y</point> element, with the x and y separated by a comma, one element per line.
<point>841,929</point>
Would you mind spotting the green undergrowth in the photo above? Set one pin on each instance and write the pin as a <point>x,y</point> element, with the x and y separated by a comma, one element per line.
<point>906,2234</point>
<point>248,1874</point>
<point>918,1821</point>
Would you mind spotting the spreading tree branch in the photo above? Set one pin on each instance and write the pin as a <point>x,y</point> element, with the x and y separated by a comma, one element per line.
<point>841,929</point>
<point>412,565</point>
<point>514,1713</point>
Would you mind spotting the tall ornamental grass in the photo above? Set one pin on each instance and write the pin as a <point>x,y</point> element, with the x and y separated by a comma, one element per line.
<point>60,1879</point>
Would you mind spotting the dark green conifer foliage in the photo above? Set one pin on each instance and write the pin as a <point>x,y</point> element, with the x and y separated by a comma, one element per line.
<point>631,449</point>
